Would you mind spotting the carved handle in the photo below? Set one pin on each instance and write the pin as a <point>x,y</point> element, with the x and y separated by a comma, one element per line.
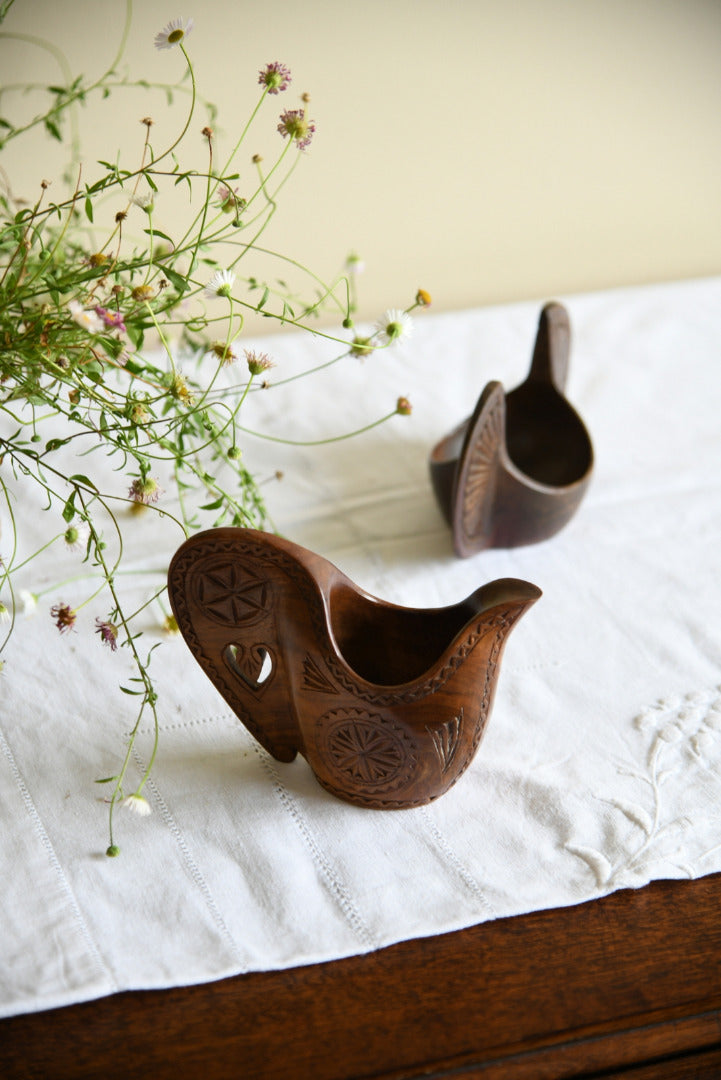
<point>552,348</point>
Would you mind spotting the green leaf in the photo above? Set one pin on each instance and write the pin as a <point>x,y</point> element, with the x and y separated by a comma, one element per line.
<point>52,128</point>
<point>80,478</point>
<point>89,208</point>
<point>264,297</point>
<point>159,232</point>
<point>176,279</point>
<point>69,508</point>
<point>55,444</point>
<point>212,505</point>
<point>106,780</point>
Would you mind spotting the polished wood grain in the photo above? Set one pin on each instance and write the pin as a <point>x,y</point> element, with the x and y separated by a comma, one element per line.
<point>387,704</point>
<point>626,986</point>
<point>516,470</point>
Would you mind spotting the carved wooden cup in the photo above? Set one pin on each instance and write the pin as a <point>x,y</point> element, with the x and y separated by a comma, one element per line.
<point>515,472</point>
<point>387,704</point>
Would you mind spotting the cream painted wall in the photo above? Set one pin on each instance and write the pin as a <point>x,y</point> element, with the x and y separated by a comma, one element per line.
<point>487,150</point>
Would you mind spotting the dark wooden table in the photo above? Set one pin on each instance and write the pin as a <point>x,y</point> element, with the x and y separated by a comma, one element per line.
<point>625,986</point>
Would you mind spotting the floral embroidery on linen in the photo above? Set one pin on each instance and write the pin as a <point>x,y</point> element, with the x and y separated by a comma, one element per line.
<point>668,827</point>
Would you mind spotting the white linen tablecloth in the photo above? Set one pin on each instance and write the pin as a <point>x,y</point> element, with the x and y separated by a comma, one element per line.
<point>601,766</point>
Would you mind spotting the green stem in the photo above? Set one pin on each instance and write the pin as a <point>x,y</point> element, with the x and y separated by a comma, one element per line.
<point>320,442</point>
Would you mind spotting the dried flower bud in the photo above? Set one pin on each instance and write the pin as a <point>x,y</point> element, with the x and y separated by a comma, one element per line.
<point>64,617</point>
<point>143,292</point>
<point>108,633</point>
<point>362,346</point>
<point>148,121</point>
<point>120,216</point>
<point>207,132</point>
<point>256,159</point>
<point>223,352</point>
<point>404,407</point>
<point>145,491</point>
<point>258,362</point>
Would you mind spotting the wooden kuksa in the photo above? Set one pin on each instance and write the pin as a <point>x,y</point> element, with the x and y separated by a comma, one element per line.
<point>387,704</point>
<point>515,472</point>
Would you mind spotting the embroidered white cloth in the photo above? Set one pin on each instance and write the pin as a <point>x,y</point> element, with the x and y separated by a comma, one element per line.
<point>601,766</point>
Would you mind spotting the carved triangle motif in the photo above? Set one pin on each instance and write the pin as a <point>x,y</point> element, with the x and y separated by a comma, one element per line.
<point>314,679</point>
<point>446,739</point>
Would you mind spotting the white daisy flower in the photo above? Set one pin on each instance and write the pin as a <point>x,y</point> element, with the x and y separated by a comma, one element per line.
<point>354,264</point>
<point>76,537</point>
<point>173,33</point>
<point>394,326</point>
<point>220,284</point>
<point>137,804</point>
<point>145,202</point>
<point>89,320</point>
<point>28,600</point>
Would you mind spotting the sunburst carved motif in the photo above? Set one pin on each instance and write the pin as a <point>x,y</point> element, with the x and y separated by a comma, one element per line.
<point>230,594</point>
<point>480,465</point>
<point>365,749</point>
<point>314,679</point>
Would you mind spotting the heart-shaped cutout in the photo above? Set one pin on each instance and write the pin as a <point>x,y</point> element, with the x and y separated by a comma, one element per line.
<point>253,664</point>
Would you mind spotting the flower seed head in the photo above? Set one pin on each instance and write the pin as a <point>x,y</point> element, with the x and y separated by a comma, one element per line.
<point>275,76</point>
<point>294,125</point>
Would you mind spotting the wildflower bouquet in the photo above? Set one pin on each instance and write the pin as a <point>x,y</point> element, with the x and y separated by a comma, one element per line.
<point>120,339</point>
